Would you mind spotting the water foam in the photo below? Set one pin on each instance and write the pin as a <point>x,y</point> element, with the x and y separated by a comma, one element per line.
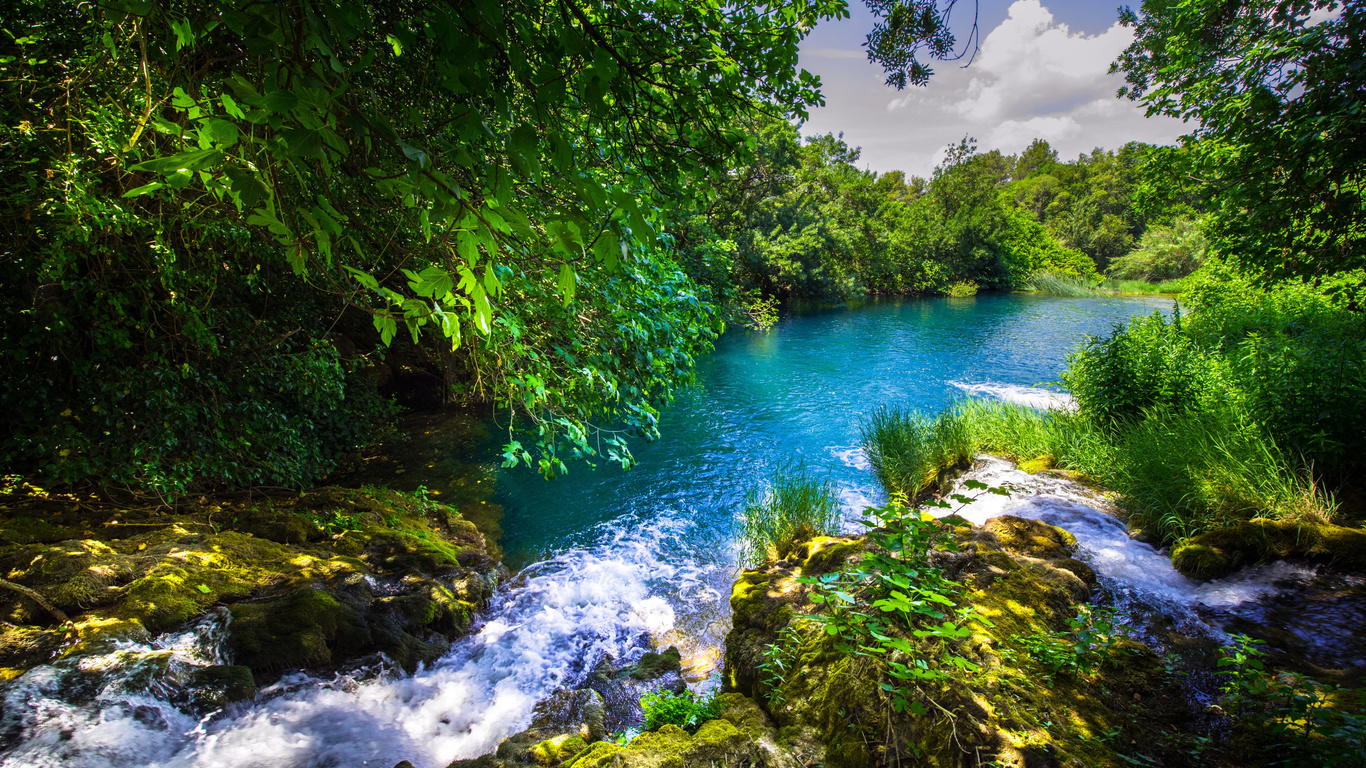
<point>1031,397</point>
<point>549,628</point>
<point>1103,541</point>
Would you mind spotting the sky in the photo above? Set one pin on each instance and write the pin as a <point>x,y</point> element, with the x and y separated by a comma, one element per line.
<point>1041,72</point>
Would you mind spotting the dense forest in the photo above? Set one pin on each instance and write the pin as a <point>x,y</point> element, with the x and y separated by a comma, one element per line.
<point>238,239</point>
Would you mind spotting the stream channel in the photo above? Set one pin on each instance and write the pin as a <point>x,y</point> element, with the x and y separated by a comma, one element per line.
<point>611,563</point>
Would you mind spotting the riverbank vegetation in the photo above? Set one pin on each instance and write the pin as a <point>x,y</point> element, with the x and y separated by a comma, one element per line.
<point>1247,403</point>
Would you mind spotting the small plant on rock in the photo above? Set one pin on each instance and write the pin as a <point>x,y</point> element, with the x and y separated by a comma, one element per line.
<point>795,507</point>
<point>685,710</point>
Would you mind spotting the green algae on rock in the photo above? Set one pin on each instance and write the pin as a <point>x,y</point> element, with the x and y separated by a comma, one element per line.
<point>1218,553</point>
<point>301,592</point>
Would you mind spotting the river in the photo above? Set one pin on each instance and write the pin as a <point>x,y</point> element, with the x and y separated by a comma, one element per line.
<point>611,563</point>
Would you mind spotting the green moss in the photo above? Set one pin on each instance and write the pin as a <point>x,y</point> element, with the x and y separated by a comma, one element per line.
<point>1038,464</point>
<point>298,630</point>
<point>1032,538</point>
<point>828,553</point>
<point>600,753</point>
<point>557,750</point>
<point>1219,553</point>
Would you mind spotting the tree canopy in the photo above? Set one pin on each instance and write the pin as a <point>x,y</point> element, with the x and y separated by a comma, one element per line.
<point>1273,90</point>
<point>213,211</point>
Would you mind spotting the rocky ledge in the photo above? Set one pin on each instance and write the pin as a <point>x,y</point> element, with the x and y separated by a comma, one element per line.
<point>313,580</point>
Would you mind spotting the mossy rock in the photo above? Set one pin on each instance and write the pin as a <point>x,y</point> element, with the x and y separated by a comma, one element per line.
<point>1216,554</point>
<point>557,749</point>
<point>306,628</point>
<point>1031,538</point>
<point>25,647</point>
<point>582,711</point>
<point>717,744</point>
<point>653,665</point>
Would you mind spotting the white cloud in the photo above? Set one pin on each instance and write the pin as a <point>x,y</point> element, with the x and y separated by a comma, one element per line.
<point>1033,78</point>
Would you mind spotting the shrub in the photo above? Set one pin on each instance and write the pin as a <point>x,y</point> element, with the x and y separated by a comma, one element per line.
<point>908,450</point>
<point>685,710</point>
<point>1164,253</point>
<point>1151,363</point>
<point>794,508</point>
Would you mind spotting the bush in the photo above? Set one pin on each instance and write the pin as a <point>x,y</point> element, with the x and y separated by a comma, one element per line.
<point>796,507</point>
<point>1164,253</point>
<point>1149,364</point>
<point>908,450</point>
<point>685,710</point>
<point>1298,354</point>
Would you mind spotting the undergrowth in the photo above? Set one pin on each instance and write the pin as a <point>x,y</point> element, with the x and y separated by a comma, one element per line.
<point>794,507</point>
<point>685,710</point>
<point>908,450</point>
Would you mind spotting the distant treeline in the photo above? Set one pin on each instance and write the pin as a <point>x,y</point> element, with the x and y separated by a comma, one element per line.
<point>804,221</point>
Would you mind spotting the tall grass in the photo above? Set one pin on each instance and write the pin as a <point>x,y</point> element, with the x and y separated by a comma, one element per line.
<point>1054,284</point>
<point>908,449</point>
<point>1181,474</point>
<point>793,508</point>
<point>1021,433</point>
<point>1144,288</point>
<point>1176,474</point>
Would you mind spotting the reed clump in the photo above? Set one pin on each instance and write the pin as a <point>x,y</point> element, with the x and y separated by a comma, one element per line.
<point>794,507</point>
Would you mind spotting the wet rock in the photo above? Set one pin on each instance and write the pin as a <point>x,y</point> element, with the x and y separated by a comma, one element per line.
<point>580,711</point>
<point>1219,553</point>
<point>654,665</point>
<point>217,686</point>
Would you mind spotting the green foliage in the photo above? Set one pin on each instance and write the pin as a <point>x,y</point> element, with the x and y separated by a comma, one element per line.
<point>803,221</point>
<point>216,217</point>
<point>1274,91</point>
<point>1079,650</point>
<point>1150,363</point>
<point>685,710</point>
<point>908,449</point>
<point>1166,252</point>
<point>795,507</point>
<point>779,657</point>
<point>896,606</point>
<point>1309,722</point>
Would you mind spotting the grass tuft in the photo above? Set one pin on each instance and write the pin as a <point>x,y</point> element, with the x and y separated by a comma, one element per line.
<point>1054,284</point>
<point>795,507</point>
<point>908,450</point>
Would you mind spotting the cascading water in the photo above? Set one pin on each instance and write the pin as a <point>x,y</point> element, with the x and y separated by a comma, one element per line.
<point>1322,627</point>
<point>624,561</point>
<point>643,582</point>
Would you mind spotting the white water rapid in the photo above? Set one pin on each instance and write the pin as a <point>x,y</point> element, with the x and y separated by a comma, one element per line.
<point>637,584</point>
<point>1134,572</point>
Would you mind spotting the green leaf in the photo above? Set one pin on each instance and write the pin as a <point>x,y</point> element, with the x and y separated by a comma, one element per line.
<point>223,132</point>
<point>568,282</point>
<point>144,189</point>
